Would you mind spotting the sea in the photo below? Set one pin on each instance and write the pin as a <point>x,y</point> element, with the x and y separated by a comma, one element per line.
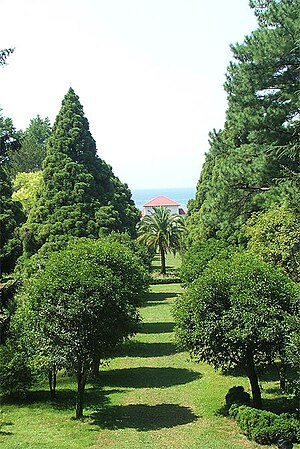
<point>180,195</point>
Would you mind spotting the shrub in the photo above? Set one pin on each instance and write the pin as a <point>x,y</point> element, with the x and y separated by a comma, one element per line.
<point>266,427</point>
<point>237,395</point>
<point>15,375</point>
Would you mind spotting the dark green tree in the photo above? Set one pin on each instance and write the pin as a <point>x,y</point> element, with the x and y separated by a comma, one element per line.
<point>11,217</point>
<point>83,304</point>
<point>235,314</point>
<point>162,231</point>
<point>79,194</point>
<point>249,164</point>
<point>10,211</point>
<point>32,151</point>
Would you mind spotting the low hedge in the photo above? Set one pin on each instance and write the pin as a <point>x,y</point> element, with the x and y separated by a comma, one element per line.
<point>165,280</point>
<point>265,427</point>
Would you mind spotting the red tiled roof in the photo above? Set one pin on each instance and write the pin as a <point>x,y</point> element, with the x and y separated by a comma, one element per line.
<point>161,201</point>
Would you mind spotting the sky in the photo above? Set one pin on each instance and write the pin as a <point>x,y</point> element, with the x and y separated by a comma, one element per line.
<point>149,74</point>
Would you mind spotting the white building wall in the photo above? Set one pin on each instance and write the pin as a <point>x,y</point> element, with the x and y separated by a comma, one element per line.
<point>173,209</point>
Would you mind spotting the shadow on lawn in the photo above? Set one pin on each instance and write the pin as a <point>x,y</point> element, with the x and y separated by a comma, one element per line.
<point>146,377</point>
<point>158,297</point>
<point>137,349</point>
<point>65,398</point>
<point>143,417</point>
<point>157,328</point>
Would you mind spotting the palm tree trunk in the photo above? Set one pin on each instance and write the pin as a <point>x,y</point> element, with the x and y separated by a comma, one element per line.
<point>162,259</point>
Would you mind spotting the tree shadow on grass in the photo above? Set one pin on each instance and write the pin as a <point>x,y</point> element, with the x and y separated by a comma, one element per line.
<point>146,377</point>
<point>65,398</point>
<point>143,417</point>
<point>158,298</point>
<point>138,349</point>
<point>281,404</point>
<point>157,328</point>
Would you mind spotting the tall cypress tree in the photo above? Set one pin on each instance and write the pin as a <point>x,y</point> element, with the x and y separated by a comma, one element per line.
<point>79,194</point>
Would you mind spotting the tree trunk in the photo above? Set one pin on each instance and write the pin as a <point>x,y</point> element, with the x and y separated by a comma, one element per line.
<point>162,259</point>
<point>81,381</point>
<point>251,373</point>
<point>52,381</point>
<point>96,366</point>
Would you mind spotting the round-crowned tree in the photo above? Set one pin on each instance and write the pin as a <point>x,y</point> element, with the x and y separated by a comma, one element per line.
<point>236,313</point>
<point>83,304</point>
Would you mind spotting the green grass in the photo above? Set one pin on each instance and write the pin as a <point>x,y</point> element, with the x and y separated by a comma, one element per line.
<point>173,264</point>
<point>151,396</point>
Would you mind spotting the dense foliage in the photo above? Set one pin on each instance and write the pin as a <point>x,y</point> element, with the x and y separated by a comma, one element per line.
<point>81,306</point>
<point>79,195</point>
<point>235,314</point>
<point>266,427</point>
<point>32,150</point>
<point>254,160</point>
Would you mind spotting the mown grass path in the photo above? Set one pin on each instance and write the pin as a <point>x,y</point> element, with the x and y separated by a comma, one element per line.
<point>158,398</point>
<point>150,397</point>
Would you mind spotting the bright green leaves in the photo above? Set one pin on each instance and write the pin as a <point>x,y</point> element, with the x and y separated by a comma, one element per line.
<point>235,313</point>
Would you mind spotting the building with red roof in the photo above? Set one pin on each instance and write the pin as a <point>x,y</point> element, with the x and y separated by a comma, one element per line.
<point>159,201</point>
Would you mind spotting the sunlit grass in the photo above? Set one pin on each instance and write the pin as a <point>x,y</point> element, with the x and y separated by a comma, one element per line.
<point>151,396</point>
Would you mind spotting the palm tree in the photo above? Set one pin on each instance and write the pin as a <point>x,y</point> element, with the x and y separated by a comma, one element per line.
<point>163,231</point>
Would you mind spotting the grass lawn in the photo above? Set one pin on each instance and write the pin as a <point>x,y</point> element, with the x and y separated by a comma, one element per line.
<point>151,396</point>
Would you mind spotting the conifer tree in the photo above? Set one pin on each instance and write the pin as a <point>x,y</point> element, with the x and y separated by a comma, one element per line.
<point>251,161</point>
<point>10,211</point>
<point>79,194</point>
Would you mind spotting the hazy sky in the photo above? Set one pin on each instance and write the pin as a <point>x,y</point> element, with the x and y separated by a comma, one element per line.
<point>149,74</point>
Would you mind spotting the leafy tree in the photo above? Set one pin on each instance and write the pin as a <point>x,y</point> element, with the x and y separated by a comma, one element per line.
<point>163,231</point>
<point>84,304</point>
<point>79,194</point>
<point>32,151</point>
<point>15,374</point>
<point>275,236</point>
<point>235,315</point>
<point>25,186</point>
<point>197,257</point>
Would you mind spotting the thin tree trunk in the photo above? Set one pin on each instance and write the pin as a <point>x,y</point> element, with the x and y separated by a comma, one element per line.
<point>251,373</point>
<point>52,381</point>
<point>96,366</point>
<point>81,381</point>
<point>163,259</point>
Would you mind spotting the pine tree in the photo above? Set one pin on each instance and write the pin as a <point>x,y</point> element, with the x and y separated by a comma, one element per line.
<point>252,161</point>
<point>79,194</point>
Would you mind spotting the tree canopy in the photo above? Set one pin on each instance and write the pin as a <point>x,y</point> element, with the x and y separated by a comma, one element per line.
<point>235,314</point>
<point>254,160</point>
<point>82,305</point>
<point>79,194</point>
<point>32,150</point>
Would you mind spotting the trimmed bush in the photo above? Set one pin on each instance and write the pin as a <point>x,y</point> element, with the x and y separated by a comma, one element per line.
<point>237,395</point>
<point>266,427</point>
